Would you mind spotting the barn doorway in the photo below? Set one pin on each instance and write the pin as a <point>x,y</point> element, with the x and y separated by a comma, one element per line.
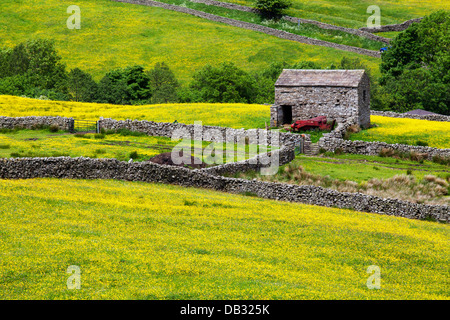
<point>287,114</point>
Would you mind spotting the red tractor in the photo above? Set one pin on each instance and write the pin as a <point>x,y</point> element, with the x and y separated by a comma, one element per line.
<point>318,122</point>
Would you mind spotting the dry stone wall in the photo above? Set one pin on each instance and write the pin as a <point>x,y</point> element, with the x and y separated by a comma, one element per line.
<point>86,168</point>
<point>335,139</point>
<point>321,25</point>
<point>286,142</point>
<point>431,117</point>
<point>210,178</point>
<point>205,133</point>
<point>392,27</point>
<point>35,122</point>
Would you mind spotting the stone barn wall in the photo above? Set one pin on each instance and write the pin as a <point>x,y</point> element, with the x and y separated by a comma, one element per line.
<point>308,102</point>
<point>334,102</point>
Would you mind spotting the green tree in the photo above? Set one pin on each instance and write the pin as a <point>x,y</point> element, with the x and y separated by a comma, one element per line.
<point>33,67</point>
<point>81,86</point>
<point>163,83</point>
<point>415,69</point>
<point>130,85</point>
<point>272,8</point>
<point>226,83</point>
<point>266,78</point>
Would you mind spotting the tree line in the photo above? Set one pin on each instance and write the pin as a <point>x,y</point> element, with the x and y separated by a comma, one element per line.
<point>414,75</point>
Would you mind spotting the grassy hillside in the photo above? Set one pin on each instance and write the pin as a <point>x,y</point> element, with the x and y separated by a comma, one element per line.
<point>150,241</point>
<point>352,13</point>
<point>117,35</point>
<point>226,115</point>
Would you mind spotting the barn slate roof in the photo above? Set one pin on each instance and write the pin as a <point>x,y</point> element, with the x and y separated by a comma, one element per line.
<point>319,78</point>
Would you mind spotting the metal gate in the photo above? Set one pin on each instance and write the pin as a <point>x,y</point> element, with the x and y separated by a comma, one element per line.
<point>84,126</point>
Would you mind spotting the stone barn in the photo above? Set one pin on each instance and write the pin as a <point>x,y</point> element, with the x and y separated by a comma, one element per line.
<point>337,94</point>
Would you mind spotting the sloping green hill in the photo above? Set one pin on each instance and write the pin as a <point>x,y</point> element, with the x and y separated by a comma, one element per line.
<point>117,35</point>
<point>352,13</point>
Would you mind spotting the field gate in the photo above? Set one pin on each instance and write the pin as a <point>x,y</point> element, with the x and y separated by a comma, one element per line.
<point>78,125</point>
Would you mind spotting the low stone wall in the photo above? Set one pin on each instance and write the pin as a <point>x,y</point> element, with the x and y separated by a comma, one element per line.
<point>35,122</point>
<point>286,142</point>
<point>431,117</point>
<point>334,140</point>
<point>374,148</point>
<point>392,27</point>
<point>205,133</point>
<point>269,161</point>
<point>86,168</point>
<point>254,27</point>
<point>321,25</point>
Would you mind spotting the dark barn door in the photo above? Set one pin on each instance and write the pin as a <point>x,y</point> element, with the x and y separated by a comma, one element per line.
<point>287,114</point>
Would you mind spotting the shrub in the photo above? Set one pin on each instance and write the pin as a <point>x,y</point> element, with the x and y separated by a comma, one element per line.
<point>421,143</point>
<point>272,8</point>
<point>134,155</point>
<point>415,156</point>
<point>100,151</point>
<point>99,136</point>
<point>190,203</point>
<point>53,128</point>
<point>39,126</point>
<point>127,132</point>
<point>81,135</point>
<point>386,152</point>
<point>5,146</point>
<point>441,160</point>
<point>249,194</point>
<point>338,151</point>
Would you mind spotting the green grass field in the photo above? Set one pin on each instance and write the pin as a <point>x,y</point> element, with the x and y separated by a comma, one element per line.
<point>307,30</point>
<point>116,35</point>
<point>150,241</point>
<point>365,168</point>
<point>121,146</point>
<point>352,13</point>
